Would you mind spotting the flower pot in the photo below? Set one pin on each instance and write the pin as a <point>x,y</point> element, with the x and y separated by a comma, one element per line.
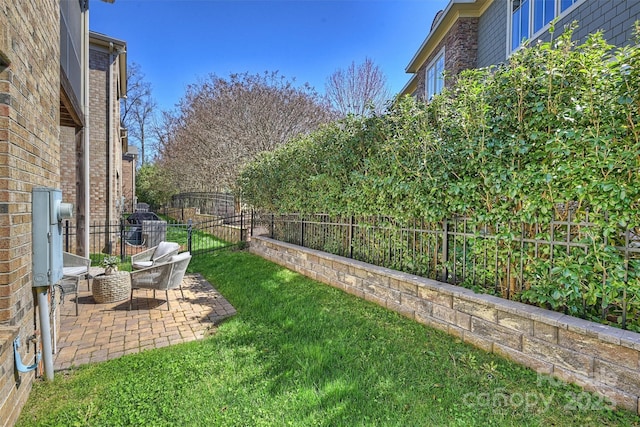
<point>110,270</point>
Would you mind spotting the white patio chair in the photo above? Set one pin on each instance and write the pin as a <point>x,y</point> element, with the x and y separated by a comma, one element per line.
<point>154,255</point>
<point>161,277</point>
<point>74,268</point>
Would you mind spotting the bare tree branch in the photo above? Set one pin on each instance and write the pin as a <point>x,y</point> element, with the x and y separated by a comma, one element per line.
<point>137,109</point>
<point>360,89</point>
<point>223,123</point>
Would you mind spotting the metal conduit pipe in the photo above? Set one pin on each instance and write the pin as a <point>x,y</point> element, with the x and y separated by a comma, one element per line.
<point>45,330</point>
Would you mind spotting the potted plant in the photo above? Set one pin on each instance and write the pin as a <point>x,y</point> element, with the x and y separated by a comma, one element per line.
<point>110,264</point>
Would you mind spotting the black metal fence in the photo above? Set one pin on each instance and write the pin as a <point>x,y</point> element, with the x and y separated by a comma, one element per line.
<point>219,204</point>
<point>122,239</point>
<point>567,264</point>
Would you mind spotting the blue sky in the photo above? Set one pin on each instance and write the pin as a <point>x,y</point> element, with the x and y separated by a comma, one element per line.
<point>178,42</point>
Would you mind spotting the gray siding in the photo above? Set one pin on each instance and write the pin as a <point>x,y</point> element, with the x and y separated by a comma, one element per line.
<point>615,17</point>
<point>492,38</point>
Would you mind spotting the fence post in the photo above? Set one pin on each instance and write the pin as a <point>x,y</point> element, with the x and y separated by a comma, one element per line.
<point>445,248</point>
<point>302,230</point>
<point>242,233</point>
<point>351,233</point>
<point>272,225</point>
<point>122,243</point>
<point>189,229</point>
<point>251,224</point>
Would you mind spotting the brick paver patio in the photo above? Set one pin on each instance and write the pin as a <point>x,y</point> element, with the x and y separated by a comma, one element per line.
<point>105,331</point>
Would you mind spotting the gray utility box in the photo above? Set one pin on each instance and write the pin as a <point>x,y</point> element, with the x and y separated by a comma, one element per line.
<point>48,211</point>
<point>154,232</point>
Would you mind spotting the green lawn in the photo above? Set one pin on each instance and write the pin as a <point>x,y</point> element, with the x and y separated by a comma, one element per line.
<point>301,353</point>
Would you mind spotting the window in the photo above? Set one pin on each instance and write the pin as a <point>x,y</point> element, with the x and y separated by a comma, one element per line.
<point>566,4</point>
<point>519,22</point>
<point>529,17</point>
<point>435,76</point>
<point>543,13</point>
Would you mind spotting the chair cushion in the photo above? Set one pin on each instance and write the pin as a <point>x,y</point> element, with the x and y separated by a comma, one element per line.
<point>142,264</point>
<point>164,248</point>
<point>74,271</point>
<point>180,256</point>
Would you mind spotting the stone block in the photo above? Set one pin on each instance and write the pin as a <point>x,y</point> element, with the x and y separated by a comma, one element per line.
<point>435,297</point>
<point>401,309</point>
<point>478,341</point>
<point>355,291</point>
<point>515,322</point>
<point>560,356</point>
<point>383,292</point>
<point>631,340</point>
<point>352,280</point>
<point>416,304</point>
<point>475,309</point>
<point>340,266</point>
<point>497,333</point>
<point>404,287</point>
<point>378,278</point>
<point>595,347</point>
<point>545,331</point>
<point>627,380</point>
<point>432,322</point>
<point>605,397</point>
<point>540,366</point>
<point>463,320</point>
<point>444,313</point>
<point>375,299</point>
<point>456,332</point>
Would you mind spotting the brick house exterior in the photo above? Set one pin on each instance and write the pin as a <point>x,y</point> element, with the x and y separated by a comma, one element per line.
<point>479,33</point>
<point>107,85</point>
<point>129,161</point>
<point>46,135</point>
<point>40,91</point>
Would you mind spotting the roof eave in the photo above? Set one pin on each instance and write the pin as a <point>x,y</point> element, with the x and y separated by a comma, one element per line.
<point>454,10</point>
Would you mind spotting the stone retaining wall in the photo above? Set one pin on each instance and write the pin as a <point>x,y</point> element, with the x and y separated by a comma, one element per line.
<point>599,358</point>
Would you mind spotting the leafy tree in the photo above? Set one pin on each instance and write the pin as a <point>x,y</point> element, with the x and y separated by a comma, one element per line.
<point>359,90</point>
<point>154,185</point>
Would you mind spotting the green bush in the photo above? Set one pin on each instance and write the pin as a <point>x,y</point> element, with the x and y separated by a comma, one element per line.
<point>553,130</point>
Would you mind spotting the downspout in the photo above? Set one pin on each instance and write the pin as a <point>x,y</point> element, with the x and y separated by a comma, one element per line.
<point>86,137</point>
<point>110,156</point>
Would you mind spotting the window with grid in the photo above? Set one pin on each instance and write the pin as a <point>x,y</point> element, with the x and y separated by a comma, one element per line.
<point>528,17</point>
<point>435,76</point>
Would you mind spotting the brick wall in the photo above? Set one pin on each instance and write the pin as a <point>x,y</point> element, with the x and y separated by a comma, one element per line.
<point>599,358</point>
<point>69,158</point>
<point>128,183</point>
<point>460,52</point>
<point>98,135</point>
<point>106,175</point>
<point>29,156</point>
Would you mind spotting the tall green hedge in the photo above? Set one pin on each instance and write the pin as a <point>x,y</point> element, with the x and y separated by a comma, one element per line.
<point>557,123</point>
<point>555,126</point>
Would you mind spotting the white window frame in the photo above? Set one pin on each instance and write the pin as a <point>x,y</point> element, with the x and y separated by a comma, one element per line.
<point>532,34</point>
<point>435,86</point>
